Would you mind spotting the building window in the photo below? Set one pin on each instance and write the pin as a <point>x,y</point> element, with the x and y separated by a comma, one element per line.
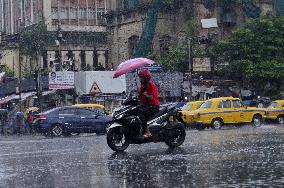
<point>101,18</point>
<point>91,13</point>
<point>132,44</point>
<point>73,13</point>
<point>63,13</point>
<point>82,13</point>
<point>54,13</point>
<point>101,11</point>
<point>164,45</point>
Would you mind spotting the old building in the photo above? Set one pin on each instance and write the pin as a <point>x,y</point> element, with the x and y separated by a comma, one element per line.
<point>76,25</point>
<point>162,23</point>
<point>149,27</point>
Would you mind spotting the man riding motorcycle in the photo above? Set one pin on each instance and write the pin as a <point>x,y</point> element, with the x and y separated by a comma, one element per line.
<point>148,95</point>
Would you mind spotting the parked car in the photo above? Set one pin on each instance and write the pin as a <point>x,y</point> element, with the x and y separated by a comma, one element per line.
<point>217,112</point>
<point>71,119</point>
<point>275,111</point>
<point>187,109</point>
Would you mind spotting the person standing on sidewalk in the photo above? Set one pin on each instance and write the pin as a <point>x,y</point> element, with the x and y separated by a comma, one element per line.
<point>20,123</point>
<point>30,120</point>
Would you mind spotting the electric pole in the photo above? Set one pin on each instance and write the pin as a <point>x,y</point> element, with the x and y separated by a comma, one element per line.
<point>189,68</point>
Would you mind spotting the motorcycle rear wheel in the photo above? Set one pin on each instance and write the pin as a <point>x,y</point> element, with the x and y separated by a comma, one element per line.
<point>116,140</point>
<point>177,139</point>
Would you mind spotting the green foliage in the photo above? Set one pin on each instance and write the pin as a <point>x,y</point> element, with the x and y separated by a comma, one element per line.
<point>254,53</point>
<point>209,4</point>
<point>176,59</point>
<point>7,70</point>
<point>190,26</point>
<point>34,41</point>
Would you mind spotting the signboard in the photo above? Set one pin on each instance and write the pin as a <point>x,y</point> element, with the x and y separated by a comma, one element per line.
<point>209,23</point>
<point>153,67</point>
<point>61,80</point>
<point>201,65</point>
<point>95,89</point>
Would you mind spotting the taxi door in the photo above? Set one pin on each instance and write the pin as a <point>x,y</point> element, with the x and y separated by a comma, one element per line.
<point>225,111</point>
<point>239,114</point>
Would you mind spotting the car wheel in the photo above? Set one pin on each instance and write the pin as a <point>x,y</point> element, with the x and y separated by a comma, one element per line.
<point>57,130</point>
<point>280,120</point>
<point>217,124</point>
<point>256,121</point>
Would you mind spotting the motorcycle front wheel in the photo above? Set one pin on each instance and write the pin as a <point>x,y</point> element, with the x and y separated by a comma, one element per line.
<point>116,140</point>
<point>175,137</point>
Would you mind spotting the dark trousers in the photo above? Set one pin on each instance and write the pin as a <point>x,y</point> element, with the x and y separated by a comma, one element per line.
<point>145,113</point>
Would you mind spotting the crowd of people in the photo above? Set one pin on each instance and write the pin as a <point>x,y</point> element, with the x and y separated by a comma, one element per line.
<point>19,123</point>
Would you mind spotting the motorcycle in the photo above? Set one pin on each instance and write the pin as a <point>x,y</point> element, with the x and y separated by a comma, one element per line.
<point>165,126</point>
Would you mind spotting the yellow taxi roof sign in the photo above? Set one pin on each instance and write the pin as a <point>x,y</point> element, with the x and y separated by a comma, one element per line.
<point>90,105</point>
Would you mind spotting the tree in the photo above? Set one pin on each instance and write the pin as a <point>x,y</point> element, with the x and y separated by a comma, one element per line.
<point>34,41</point>
<point>254,54</point>
<point>176,59</point>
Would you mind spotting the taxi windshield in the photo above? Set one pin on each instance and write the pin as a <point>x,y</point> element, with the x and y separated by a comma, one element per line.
<point>207,104</point>
<point>187,107</point>
<point>273,105</point>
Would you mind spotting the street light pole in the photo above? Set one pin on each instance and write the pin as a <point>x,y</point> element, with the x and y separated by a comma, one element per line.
<point>59,39</point>
<point>20,81</point>
<point>189,68</point>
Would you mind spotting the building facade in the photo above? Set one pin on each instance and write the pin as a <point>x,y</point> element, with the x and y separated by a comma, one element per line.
<point>128,21</point>
<point>148,28</point>
<point>80,24</point>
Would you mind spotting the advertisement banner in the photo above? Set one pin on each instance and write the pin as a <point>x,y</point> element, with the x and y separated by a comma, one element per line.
<point>61,80</point>
<point>201,65</point>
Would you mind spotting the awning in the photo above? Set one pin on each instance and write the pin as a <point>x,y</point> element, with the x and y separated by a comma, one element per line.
<point>48,92</point>
<point>7,98</point>
<point>24,96</point>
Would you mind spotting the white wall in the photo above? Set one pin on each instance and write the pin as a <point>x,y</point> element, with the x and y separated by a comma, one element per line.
<point>108,85</point>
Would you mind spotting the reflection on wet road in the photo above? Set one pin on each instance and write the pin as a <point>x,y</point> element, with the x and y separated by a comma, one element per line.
<point>235,157</point>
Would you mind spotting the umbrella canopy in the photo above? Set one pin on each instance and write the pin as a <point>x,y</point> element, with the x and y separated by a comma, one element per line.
<point>130,65</point>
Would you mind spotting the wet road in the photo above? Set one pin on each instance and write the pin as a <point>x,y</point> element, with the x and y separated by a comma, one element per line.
<point>235,157</point>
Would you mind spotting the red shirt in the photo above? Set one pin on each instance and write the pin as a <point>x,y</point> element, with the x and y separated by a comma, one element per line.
<point>151,89</point>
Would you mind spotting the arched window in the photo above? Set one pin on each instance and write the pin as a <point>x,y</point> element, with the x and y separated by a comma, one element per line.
<point>164,45</point>
<point>132,44</point>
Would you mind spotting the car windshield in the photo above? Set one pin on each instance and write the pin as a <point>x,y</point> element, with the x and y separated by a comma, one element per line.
<point>187,107</point>
<point>273,105</point>
<point>207,104</point>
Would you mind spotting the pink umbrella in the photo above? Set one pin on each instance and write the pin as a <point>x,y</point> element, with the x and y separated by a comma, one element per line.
<point>130,65</point>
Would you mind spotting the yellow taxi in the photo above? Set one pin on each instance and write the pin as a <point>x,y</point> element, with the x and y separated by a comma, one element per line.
<point>98,107</point>
<point>275,111</point>
<point>217,112</point>
<point>187,109</point>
